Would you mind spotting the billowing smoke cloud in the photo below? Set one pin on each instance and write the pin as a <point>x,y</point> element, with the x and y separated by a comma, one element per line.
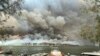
<point>8,21</point>
<point>53,18</point>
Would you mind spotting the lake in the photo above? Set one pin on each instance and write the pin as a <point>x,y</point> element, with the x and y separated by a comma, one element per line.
<point>76,50</point>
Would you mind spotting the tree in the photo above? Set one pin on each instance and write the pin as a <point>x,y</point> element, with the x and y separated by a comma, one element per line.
<point>93,34</point>
<point>9,6</point>
<point>97,11</point>
<point>87,32</point>
<point>98,29</point>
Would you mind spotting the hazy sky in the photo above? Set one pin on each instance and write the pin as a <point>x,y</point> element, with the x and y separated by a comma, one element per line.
<point>57,5</point>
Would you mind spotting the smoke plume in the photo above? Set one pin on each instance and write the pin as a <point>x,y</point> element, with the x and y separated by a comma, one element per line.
<point>53,18</point>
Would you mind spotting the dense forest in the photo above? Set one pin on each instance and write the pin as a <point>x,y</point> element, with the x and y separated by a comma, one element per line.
<point>93,33</point>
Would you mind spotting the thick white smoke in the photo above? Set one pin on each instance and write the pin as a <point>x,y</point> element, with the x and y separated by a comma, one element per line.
<point>53,18</point>
<point>8,21</point>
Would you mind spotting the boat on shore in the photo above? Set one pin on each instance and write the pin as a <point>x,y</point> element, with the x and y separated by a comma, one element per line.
<point>90,53</point>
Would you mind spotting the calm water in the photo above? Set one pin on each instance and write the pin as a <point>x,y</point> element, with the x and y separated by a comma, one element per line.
<point>46,49</point>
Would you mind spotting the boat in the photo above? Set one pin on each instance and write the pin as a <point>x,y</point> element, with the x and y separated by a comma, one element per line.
<point>90,54</point>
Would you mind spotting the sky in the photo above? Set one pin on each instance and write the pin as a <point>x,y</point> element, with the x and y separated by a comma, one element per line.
<point>56,5</point>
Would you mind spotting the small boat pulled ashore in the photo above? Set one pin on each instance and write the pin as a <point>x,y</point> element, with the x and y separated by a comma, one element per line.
<point>90,54</point>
